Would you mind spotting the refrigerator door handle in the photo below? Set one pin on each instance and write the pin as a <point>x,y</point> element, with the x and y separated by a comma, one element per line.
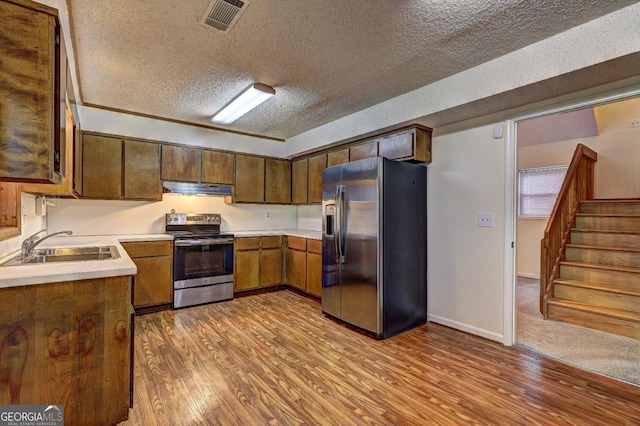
<point>341,219</point>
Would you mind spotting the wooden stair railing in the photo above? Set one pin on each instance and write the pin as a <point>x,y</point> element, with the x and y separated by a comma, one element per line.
<point>578,185</point>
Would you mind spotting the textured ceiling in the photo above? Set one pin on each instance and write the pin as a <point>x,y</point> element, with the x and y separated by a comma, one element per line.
<point>325,59</point>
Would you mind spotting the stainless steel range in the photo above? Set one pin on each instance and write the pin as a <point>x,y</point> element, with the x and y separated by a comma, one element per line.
<point>202,260</point>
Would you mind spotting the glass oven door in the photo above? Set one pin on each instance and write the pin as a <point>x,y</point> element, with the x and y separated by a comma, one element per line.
<point>197,259</point>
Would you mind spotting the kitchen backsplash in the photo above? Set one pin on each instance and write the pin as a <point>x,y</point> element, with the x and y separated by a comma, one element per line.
<point>98,217</point>
<point>310,217</point>
<point>31,223</point>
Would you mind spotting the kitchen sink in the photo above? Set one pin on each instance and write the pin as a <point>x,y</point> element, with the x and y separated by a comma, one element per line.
<point>67,254</point>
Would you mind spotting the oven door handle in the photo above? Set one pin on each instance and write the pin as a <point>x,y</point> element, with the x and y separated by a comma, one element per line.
<point>208,242</point>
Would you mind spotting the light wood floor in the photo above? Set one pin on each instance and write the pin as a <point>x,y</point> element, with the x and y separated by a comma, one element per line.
<point>274,359</point>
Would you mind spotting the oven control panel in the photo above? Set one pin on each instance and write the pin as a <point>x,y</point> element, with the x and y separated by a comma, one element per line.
<point>194,219</point>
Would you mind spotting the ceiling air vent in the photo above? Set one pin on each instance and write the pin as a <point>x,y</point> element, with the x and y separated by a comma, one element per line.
<point>223,14</point>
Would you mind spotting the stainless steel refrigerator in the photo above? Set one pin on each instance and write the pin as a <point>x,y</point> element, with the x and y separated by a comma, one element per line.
<point>374,245</point>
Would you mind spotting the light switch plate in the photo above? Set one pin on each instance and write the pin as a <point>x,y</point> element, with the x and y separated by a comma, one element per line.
<point>485,220</point>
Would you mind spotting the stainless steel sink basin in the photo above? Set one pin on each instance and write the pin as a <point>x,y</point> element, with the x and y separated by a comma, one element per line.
<point>67,254</point>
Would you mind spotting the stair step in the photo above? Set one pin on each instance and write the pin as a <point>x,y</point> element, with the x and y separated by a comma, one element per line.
<point>608,221</point>
<point>608,238</point>
<point>614,256</point>
<point>629,206</point>
<point>616,321</point>
<point>622,277</point>
<point>597,294</point>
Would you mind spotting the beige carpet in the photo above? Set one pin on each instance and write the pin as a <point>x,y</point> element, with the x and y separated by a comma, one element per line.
<point>608,354</point>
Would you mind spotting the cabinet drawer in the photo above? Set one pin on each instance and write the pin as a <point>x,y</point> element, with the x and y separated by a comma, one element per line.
<point>296,243</point>
<point>248,243</point>
<point>272,242</point>
<point>148,248</point>
<point>314,246</point>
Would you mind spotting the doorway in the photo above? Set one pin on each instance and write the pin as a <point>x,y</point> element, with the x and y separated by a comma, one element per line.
<point>548,138</point>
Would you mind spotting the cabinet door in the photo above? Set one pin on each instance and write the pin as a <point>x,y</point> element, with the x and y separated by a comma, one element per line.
<point>316,165</point>
<point>217,167</point>
<point>338,157</point>
<point>248,186</point>
<point>271,267</point>
<point>247,270</point>
<point>277,181</point>
<point>180,163</point>
<point>297,269</point>
<point>153,283</point>
<point>299,181</point>
<point>101,167</point>
<point>142,170</point>
<point>29,82</point>
<point>314,274</point>
<point>397,146</point>
<point>364,150</point>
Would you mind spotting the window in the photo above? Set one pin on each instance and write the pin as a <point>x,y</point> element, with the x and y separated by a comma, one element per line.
<point>538,189</point>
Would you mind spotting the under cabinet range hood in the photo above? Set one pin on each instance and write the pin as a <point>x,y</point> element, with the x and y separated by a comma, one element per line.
<point>188,188</point>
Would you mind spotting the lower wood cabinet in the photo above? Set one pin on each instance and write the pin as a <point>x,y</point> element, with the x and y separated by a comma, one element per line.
<point>153,284</point>
<point>258,262</point>
<point>314,267</point>
<point>297,262</point>
<point>69,343</point>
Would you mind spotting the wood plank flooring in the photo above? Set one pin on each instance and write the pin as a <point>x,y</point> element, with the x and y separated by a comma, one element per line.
<point>274,359</point>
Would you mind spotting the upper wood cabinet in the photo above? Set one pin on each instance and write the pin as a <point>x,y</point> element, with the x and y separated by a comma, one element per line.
<point>180,163</point>
<point>317,164</point>
<point>141,170</point>
<point>102,167</point>
<point>29,91</point>
<point>249,179</point>
<point>413,145</point>
<point>116,168</point>
<point>217,167</point>
<point>363,150</point>
<point>338,157</point>
<point>277,181</point>
<point>299,181</point>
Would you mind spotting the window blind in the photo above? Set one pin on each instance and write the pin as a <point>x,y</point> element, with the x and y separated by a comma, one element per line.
<point>538,189</point>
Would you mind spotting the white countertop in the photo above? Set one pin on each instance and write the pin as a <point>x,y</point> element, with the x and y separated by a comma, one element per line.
<point>12,276</point>
<point>302,233</point>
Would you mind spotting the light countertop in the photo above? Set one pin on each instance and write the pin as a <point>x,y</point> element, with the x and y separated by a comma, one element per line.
<point>12,276</point>
<point>302,233</point>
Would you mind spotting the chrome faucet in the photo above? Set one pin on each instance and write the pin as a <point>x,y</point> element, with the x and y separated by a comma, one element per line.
<point>29,244</point>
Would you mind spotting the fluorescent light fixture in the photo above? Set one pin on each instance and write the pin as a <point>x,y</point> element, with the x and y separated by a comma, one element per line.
<point>249,99</point>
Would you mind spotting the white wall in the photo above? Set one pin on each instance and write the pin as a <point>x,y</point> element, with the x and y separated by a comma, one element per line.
<point>99,217</point>
<point>465,262</point>
<point>617,170</point>
<point>310,217</point>
<point>30,225</point>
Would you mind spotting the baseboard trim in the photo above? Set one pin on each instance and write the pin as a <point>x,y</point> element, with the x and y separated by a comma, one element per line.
<point>466,328</point>
<point>528,275</point>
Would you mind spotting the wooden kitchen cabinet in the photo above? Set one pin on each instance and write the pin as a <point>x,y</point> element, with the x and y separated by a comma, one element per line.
<point>277,181</point>
<point>299,181</point>
<point>141,170</point>
<point>217,167</point>
<point>115,168</point>
<point>314,267</point>
<point>363,150</point>
<point>297,262</point>
<point>69,343</point>
<point>338,157</point>
<point>271,261</point>
<point>249,179</point>
<point>102,167</point>
<point>29,91</point>
<point>180,163</point>
<point>247,263</point>
<point>153,284</point>
<point>413,145</point>
<point>317,164</point>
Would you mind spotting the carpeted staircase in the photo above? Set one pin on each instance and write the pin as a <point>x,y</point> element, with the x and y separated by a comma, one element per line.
<point>599,283</point>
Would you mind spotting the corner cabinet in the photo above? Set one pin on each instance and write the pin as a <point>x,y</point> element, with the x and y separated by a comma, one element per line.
<point>29,91</point>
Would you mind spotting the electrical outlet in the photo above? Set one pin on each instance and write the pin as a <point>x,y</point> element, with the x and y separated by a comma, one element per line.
<point>635,123</point>
<point>267,214</point>
<point>485,220</point>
